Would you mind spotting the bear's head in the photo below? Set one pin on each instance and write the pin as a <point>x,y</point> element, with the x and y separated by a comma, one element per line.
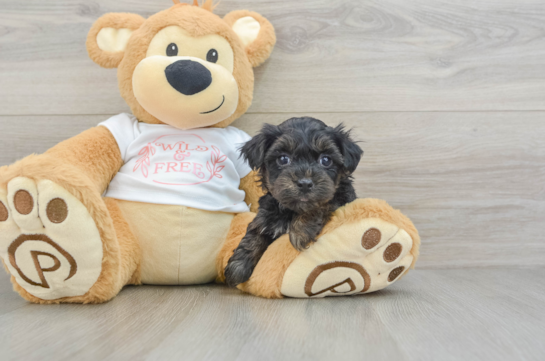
<point>184,66</point>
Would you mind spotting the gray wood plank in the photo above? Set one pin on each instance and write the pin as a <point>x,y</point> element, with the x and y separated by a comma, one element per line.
<point>470,314</point>
<point>332,55</point>
<point>472,182</point>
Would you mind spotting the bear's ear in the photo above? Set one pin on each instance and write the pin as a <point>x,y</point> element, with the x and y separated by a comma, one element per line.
<point>108,37</point>
<point>255,32</point>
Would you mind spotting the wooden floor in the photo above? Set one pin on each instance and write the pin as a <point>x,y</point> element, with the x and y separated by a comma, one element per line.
<point>448,99</point>
<point>465,314</point>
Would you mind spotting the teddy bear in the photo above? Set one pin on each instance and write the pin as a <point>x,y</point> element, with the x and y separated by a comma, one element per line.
<point>161,196</point>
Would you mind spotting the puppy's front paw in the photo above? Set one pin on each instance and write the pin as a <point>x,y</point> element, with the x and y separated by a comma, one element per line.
<point>238,271</point>
<point>301,240</point>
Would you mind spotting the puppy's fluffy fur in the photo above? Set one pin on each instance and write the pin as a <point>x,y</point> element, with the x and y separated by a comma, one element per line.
<point>305,169</point>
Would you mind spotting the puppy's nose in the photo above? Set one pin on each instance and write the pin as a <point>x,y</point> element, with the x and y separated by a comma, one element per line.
<point>188,77</point>
<point>305,184</point>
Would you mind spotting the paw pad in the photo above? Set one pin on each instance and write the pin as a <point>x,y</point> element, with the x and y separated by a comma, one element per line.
<point>57,210</point>
<point>3,213</point>
<point>392,252</point>
<point>23,201</point>
<point>370,238</point>
<point>395,273</point>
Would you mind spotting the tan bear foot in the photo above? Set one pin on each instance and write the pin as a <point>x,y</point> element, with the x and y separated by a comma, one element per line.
<point>354,258</point>
<point>48,240</point>
<point>366,246</point>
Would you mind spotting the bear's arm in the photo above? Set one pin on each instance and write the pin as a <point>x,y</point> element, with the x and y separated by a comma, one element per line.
<point>94,152</point>
<point>251,186</point>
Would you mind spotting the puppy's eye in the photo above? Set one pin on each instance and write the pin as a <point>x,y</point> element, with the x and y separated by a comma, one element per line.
<point>172,49</point>
<point>283,160</point>
<point>325,161</point>
<point>212,56</point>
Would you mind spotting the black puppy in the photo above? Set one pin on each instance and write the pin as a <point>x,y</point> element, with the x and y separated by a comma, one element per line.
<point>305,169</point>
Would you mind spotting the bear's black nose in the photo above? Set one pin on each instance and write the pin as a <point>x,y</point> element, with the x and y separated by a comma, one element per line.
<point>188,77</point>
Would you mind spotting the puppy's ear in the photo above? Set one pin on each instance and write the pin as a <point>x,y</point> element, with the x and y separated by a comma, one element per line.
<point>255,149</point>
<point>350,151</point>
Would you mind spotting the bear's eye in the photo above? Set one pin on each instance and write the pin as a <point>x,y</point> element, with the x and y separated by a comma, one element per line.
<point>283,160</point>
<point>325,161</point>
<point>212,56</point>
<point>172,49</point>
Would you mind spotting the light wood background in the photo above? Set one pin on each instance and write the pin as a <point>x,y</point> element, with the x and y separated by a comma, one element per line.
<point>448,99</point>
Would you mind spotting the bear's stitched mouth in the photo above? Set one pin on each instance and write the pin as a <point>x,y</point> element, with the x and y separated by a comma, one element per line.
<point>219,106</point>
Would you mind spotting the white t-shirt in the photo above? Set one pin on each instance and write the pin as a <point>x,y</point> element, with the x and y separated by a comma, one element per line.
<point>198,168</point>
